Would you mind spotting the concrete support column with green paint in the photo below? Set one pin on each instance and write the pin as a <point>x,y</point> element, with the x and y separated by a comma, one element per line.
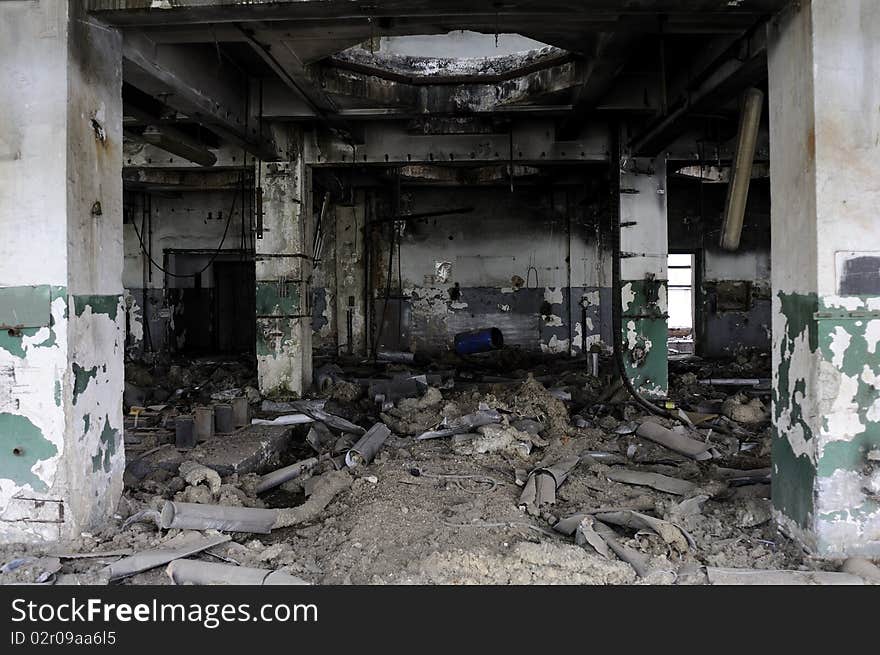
<point>643,273</point>
<point>61,342</point>
<point>824,64</point>
<point>283,270</point>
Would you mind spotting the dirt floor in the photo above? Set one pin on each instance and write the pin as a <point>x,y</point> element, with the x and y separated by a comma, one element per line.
<point>451,509</point>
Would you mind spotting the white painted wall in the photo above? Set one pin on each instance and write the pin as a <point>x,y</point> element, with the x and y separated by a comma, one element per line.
<point>847,131</point>
<point>33,70</point>
<point>502,237</point>
<point>647,208</point>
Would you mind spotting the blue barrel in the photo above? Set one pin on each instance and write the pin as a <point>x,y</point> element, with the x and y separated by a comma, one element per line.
<point>478,341</point>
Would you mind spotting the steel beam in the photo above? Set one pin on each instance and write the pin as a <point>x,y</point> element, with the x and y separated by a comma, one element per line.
<point>743,65</point>
<point>188,82</point>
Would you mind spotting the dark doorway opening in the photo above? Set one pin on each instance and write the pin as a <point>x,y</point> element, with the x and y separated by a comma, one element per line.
<point>234,306</point>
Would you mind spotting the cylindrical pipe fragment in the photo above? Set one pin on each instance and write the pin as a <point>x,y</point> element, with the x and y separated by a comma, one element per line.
<point>196,572</point>
<point>282,475</point>
<point>224,421</point>
<point>196,516</point>
<point>240,411</point>
<point>367,446</point>
<point>204,423</point>
<point>741,174</point>
<point>478,341</point>
<point>679,443</point>
<point>184,432</point>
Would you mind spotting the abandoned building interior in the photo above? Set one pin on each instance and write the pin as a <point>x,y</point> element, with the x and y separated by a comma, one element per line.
<point>384,291</point>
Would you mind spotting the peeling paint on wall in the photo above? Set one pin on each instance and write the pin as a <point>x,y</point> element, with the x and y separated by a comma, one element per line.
<point>827,420</point>
<point>645,332</point>
<point>32,375</point>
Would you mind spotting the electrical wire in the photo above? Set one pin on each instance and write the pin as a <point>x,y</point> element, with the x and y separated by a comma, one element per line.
<point>210,261</point>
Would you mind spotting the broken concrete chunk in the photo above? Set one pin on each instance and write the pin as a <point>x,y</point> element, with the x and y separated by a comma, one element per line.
<point>679,443</point>
<point>742,409</point>
<point>367,446</point>
<point>194,473</point>
<point>195,572</point>
<point>251,450</point>
<point>493,439</point>
<point>431,398</point>
<point>653,480</point>
<point>191,544</point>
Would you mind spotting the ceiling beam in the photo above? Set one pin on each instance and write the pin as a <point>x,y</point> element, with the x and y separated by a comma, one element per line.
<point>167,137</point>
<point>194,85</point>
<point>285,63</point>
<point>136,12</point>
<point>599,72</point>
<point>742,65</point>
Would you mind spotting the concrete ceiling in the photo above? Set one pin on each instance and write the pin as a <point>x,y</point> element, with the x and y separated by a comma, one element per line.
<point>215,63</point>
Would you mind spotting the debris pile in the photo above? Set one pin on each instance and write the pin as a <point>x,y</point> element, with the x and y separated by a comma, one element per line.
<point>501,470</point>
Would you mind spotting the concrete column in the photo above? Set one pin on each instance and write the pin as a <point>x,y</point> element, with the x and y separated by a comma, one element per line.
<point>643,273</point>
<point>350,278</point>
<point>283,270</point>
<point>824,61</point>
<point>62,337</point>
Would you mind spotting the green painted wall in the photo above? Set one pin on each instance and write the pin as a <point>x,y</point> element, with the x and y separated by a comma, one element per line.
<point>645,333</point>
<point>22,445</point>
<point>794,476</point>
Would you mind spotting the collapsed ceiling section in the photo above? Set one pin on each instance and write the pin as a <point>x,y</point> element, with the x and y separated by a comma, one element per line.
<point>198,73</point>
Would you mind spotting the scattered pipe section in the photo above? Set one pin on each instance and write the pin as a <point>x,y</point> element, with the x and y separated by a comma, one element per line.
<point>367,446</point>
<point>196,516</point>
<point>282,475</point>
<point>195,572</point>
<point>741,174</point>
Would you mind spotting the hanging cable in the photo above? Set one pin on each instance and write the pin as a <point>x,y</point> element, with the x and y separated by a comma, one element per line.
<point>210,261</point>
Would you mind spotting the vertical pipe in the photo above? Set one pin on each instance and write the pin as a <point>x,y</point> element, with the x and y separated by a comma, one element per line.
<point>568,271</point>
<point>741,174</point>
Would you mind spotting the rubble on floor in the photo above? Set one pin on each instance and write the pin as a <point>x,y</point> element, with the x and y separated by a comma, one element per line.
<point>503,468</point>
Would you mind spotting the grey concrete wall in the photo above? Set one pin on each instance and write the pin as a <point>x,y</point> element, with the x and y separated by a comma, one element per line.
<point>695,216</point>
<point>61,354</point>
<point>503,265</point>
<point>179,222</point>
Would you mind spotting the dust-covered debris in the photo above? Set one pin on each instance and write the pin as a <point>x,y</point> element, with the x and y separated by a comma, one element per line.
<point>440,500</point>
